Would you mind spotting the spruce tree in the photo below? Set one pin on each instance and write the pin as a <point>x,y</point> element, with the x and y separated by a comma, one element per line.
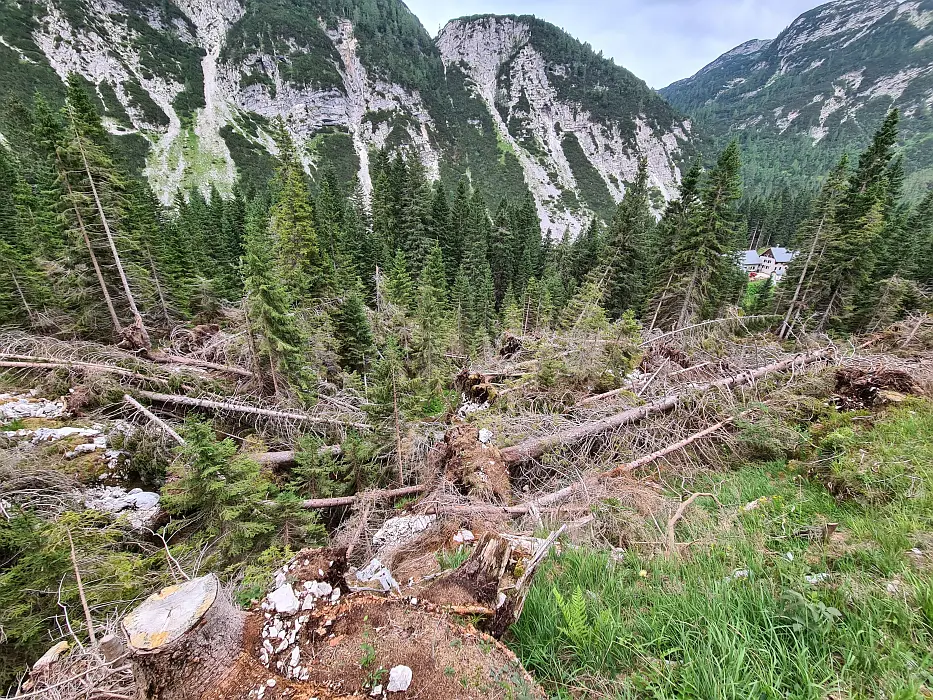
<point>269,309</point>
<point>353,331</point>
<point>627,253</point>
<point>400,289</point>
<point>303,263</point>
<point>431,315</point>
<point>808,277</point>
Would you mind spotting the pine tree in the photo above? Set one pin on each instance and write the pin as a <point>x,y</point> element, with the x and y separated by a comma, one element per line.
<point>269,310</point>
<point>452,245</point>
<point>852,255</point>
<point>707,244</point>
<point>431,315</point>
<point>353,331</point>
<point>807,272</point>
<point>225,491</point>
<point>627,250</point>
<point>677,218</point>
<point>400,289</point>
<point>921,225</point>
<point>304,264</point>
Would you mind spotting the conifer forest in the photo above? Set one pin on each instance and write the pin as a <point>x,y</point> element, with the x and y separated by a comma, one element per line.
<point>391,441</point>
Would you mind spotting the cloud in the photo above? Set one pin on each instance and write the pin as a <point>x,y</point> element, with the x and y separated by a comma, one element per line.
<point>659,40</point>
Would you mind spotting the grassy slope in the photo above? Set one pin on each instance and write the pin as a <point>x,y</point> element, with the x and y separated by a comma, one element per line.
<point>693,628</point>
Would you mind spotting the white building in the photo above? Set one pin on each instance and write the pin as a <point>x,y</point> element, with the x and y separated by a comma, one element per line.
<point>772,263</point>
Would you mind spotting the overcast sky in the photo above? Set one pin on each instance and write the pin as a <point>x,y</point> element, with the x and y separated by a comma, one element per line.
<point>659,40</point>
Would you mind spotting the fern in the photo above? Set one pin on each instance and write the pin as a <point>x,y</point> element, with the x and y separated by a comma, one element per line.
<point>576,622</point>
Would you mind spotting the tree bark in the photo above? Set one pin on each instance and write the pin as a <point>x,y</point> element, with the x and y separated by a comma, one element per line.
<point>184,640</point>
<point>137,318</point>
<point>180,400</point>
<point>154,418</point>
<point>117,326</point>
<point>321,503</point>
<point>786,326</point>
<point>535,447</point>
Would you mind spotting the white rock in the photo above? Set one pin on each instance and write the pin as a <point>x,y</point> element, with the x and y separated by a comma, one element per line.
<point>271,682</point>
<point>143,507</point>
<point>399,679</point>
<point>335,596</point>
<point>296,655</point>
<point>485,436</point>
<point>284,600</point>
<point>399,530</point>
<point>376,691</point>
<point>375,571</point>
<point>814,579</point>
<point>464,536</point>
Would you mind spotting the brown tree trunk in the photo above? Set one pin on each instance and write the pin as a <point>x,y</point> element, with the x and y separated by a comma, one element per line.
<point>137,318</point>
<point>117,326</point>
<point>184,640</point>
<point>535,447</point>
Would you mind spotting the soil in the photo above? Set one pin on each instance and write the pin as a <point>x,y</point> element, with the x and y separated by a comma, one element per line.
<point>860,389</point>
<point>367,637</point>
<point>477,469</point>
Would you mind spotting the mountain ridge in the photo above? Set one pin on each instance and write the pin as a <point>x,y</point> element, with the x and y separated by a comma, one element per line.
<point>821,87</point>
<point>190,89</point>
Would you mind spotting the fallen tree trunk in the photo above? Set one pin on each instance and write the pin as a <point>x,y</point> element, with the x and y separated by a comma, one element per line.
<point>232,407</point>
<point>589,482</point>
<point>287,457</point>
<point>42,363</point>
<point>154,418</point>
<point>203,364</point>
<point>350,500</point>
<point>535,447</point>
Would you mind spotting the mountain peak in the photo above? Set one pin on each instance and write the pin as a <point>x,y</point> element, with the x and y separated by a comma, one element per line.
<point>822,86</point>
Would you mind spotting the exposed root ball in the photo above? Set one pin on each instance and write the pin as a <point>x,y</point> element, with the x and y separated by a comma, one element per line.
<point>477,469</point>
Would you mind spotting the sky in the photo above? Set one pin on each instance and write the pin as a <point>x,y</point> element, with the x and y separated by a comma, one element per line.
<point>660,41</point>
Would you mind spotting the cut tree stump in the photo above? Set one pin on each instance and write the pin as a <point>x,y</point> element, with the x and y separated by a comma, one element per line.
<point>183,640</point>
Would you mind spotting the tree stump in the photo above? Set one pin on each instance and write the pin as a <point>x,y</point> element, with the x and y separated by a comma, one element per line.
<point>184,640</point>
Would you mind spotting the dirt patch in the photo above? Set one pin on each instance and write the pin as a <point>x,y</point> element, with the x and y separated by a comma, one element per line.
<point>859,389</point>
<point>349,648</point>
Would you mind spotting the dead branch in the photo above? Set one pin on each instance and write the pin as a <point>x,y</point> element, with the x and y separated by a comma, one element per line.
<point>232,407</point>
<point>375,495</point>
<point>679,514</point>
<point>87,610</point>
<point>155,419</point>
<point>41,363</point>
<point>535,447</point>
<point>287,457</point>
<point>164,359</point>
<point>742,320</point>
<point>590,482</point>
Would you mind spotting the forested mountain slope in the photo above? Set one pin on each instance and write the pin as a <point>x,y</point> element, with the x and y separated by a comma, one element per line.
<point>820,88</point>
<point>191,88</point>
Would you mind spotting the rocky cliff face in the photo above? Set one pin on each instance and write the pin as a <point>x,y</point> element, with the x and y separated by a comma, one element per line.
<point>560,143</point>
<point>823,85</point>
<point>196,84</point>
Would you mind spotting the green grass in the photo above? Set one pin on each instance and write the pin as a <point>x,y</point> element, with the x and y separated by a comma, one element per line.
<point>452,560</point>
<point>736,617</point>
